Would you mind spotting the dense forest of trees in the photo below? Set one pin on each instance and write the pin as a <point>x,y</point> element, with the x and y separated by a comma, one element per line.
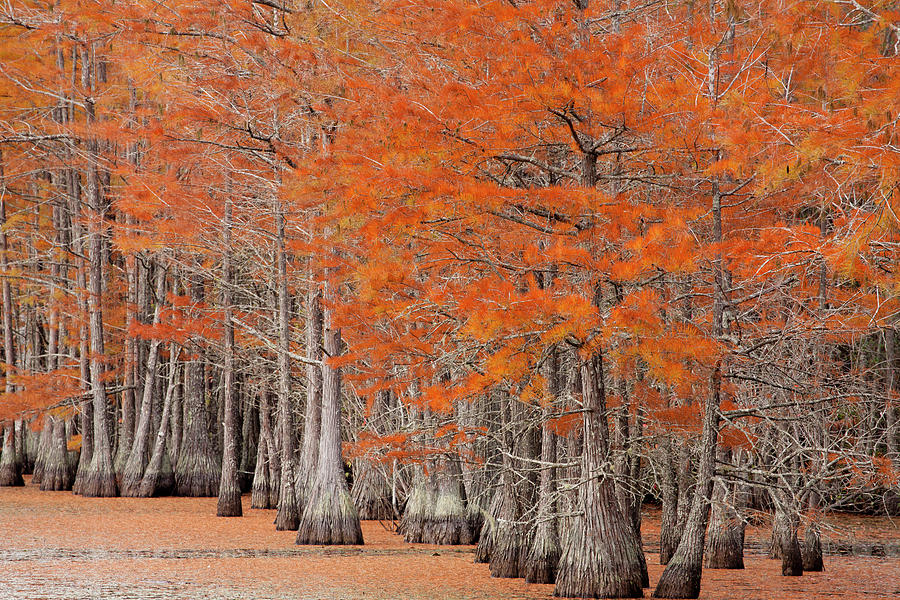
<point>517,267</point>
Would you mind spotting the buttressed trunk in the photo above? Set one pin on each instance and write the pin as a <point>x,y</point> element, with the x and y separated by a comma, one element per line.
<point>197,469</point>
<point>10,474</point>
<point>725,533</point>
<point>329,516</point>
<point>56,471</point>
<point>600,557</point>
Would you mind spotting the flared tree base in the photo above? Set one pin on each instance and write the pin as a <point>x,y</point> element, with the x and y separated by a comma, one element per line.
<point>197,484</point>
<point>543,558</point>
<point>10,475</point>
<point>330,518</point>
<point>725,548</point>
<point>812,551</point>
<point>99,483</point>
<point>229,503</point>
<point>679,580</point>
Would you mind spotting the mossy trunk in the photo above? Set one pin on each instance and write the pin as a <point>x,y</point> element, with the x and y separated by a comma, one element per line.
<point>415,513</point>
<point>448,524</point>
<point>57,475</point>
<point>506,557</point>
<point>681,577</point>
<point>10,473</point>
<point>329,516</point>
<point>600,555</point>
<point>487,537</point>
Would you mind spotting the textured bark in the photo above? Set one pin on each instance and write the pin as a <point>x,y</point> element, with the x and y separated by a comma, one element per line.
<point>99,479</point>
<point>288,516</point>
<point>600,556</point>
<point>669,532</point>
<point>261,495</point>
<point>10,474</point>
<point>371,491</point>
<point>127,426</point>
<point>309,451</point>
<point>448,523</point>
<point>197,468</point>
<point>42,451</point>
<point>543,556</point>
<point>487,538</point>
<point>57,476</point>
<point>681,577</point>
<point>229,502</point>
<point>249,440</point>
<point>415,513</point>
<point>785,543</point>
<point>725,533</point>
<point>329,516</point>
<point>811,553</point>
<point>159,478</point>
<point>506,557</point>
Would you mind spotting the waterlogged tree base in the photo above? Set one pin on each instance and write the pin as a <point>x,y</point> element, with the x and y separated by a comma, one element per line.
<point>725,548</point>
<point>330,519</point>
<point>593,567</point>
<point>99,483</point>
<point>506,558</point>
<point>229,502</point>
<point>679,580</point>
<point>197,483</point>
<point>540,566</point>
<point>449,525</point>
<point>812,550</point>
<point>486,540</point>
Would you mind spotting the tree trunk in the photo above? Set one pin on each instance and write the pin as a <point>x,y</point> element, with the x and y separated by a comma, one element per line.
<point>329,516</point>
<point>309,451</point>
<point>56,475</point>
<point>600,557</point>
<point>159,478</point>
<point>812,539</point>
<point>681,577</point>
<point>10,474</point>
<point>229,502</point>
<point>40,460</point>
<point>785,544</point>
<point>197,470</point>
<point>288,516</point>
<point>725,533</point>
<point>100,478</point>
<point>543,556</point>
<point>669,533</point>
